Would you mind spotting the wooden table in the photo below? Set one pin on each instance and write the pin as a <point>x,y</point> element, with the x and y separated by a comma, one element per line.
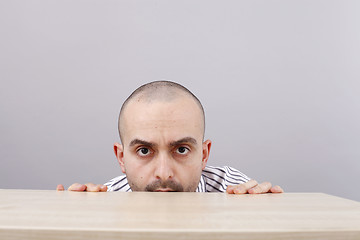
<point>33,214</point>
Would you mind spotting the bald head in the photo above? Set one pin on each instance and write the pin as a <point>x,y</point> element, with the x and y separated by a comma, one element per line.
<point>159,91</point>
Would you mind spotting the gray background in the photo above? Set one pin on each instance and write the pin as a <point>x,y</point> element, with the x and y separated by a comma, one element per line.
<point>279,81</point>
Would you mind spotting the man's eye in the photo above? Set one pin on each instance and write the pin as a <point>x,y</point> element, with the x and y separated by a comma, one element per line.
<point>143,151</point>
<point>182,150</point>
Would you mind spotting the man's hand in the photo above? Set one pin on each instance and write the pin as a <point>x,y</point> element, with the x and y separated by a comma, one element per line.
<point>89,187</point>
<point>253,187</point>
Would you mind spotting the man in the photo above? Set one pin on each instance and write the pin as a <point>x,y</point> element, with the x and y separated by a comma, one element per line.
<point>161,127</point>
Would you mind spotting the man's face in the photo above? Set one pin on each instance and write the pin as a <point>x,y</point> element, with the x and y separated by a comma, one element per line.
<point>162,145</point>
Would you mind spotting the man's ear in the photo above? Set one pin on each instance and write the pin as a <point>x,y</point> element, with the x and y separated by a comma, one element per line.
<point>206,152</point>
<point>119,153</point>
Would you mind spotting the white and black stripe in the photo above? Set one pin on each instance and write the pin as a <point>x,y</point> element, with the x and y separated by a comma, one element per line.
<point>118,184</point>
<point>213,179</point>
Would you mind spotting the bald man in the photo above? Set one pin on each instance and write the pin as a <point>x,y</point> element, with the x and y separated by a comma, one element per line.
<point>161,128</point>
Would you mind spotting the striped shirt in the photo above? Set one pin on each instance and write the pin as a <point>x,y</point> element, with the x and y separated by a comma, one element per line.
<point>213,179</point>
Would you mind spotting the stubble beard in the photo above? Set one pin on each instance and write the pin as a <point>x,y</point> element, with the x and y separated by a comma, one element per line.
<point>168,184</point>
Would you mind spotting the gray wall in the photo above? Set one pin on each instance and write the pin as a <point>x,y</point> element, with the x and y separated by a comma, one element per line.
<point>279,81</point>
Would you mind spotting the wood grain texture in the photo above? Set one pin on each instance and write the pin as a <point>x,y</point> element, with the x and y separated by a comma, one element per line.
<point>34,214</point>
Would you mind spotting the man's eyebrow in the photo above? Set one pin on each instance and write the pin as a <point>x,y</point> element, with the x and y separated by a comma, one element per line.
<point>183,140</point>
<point>141,142</point>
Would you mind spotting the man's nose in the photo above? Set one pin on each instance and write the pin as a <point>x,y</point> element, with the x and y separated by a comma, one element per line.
<point>164,170</point>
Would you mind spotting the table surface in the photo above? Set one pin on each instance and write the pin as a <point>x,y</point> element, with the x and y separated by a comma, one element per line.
<point>43,214</point>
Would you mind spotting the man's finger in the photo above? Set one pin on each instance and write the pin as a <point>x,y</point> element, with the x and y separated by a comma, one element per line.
<point>276,189</point>
<point>230,189</point>
<point>103,188</point>
<point>242,188</point>
<point>77,187</point>
<point>90,187</point>
<point>60,187</point>
<point>261,188</point>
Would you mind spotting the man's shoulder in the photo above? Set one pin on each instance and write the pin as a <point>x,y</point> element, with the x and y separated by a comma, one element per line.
<point>224,175</point>
<point>119,183</point>
<point>224,170</point>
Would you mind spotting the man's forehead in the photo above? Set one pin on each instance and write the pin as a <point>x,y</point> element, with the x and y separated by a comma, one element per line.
<point>179,111</point>
<point>170,120</point>
<point>166,121</point>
